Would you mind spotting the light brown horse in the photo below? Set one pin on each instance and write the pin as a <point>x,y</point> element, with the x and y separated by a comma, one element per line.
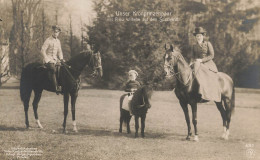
<point>187,87</point>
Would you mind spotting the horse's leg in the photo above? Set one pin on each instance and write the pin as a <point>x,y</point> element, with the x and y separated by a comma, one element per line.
<point>73,110</point>
<point>26,107</point>
<point>194,120</point>
<point>121,113</point>
<point>66,103</point>
<point>223,115</point>
<point>227,104</point>
<point>185,109</point>
<point>136,125</point>
<point>143,124</point>
<point>36,100</point>
<point>26,100</point>
<point>128,122</point>
<point>121,121</point>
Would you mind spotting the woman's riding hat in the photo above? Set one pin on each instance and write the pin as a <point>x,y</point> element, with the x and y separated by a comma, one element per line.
<point>56,27</point>
<point>199,30</point>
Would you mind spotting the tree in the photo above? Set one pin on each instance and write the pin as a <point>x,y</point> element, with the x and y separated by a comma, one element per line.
<point>227,28</point>
<point>131,44</point>
<point>24,18</point>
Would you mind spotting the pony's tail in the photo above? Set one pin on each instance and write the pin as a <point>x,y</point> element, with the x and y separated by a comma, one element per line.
<point>233,101</point>
<point>25,85</point>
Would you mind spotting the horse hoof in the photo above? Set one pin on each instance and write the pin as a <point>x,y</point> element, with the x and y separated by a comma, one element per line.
<point>120,130</point>
<point>226,137</point>
<point>143,135</point>
<point>75,130</point>
<point>39,124</point>
<point>223,136</point>
<point>188,138</point>
<point>65,132</point>
<point>128,132</point>
<point>136,135</point>
<point>196,139</point>
<point>28,127</point>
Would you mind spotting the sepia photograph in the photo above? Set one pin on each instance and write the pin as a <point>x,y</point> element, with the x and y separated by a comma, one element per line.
<point>130,79</point>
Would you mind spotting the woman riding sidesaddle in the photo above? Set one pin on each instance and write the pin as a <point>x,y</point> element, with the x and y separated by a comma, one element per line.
<point>205,69</point>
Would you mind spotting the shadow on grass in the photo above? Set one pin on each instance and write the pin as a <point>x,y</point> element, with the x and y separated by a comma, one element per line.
<point>12,128</point>
<point>115,133</point>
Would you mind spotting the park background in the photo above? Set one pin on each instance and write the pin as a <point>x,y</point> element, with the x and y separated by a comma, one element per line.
<point>233,29</point>
<point>232,26</point>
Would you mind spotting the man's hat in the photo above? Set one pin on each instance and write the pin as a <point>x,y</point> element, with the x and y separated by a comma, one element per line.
<point>133,71</point>
<point>56,27</point>
<point>199,30</point>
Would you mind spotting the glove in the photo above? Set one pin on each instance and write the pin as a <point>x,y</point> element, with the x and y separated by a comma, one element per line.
<point>199,60</point>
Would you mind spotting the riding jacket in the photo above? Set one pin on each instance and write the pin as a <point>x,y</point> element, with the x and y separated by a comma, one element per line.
<point>51,50</point>
<point>205,52</point>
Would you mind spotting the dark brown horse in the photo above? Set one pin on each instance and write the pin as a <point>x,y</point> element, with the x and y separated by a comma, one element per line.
<point>35,77</point>
<point>186,90</point>
<point>140,104</point>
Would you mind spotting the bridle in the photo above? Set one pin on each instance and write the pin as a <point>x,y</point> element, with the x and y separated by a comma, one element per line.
<point>77,82</point>
<point>95,67</point>
<point>173,73</point>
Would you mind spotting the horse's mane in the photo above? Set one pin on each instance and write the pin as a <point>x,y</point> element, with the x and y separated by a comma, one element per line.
<point>179,54</point>
<point>78,57</point>
<point>144,91</point>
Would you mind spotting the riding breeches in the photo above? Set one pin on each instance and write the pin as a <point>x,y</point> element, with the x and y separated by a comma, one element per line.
<point>52,74</point>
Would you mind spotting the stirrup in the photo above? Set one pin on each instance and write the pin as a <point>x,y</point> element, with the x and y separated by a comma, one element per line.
<point>58,90</point>
<point>203,101</point>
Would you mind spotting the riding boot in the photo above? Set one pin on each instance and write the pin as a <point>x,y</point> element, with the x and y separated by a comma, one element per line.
<point>55,84</point>
<point>57,78</point>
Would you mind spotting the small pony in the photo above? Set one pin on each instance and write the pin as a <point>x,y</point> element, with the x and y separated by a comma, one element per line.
<point>140,103</point>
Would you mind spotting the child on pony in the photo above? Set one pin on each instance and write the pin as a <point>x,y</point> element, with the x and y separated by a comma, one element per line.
<point>131,86</point>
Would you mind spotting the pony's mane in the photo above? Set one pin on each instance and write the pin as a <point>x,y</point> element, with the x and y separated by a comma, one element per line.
<point>144,90</point>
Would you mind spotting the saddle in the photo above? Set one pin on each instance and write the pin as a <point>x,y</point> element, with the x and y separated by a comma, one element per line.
<point>57,72</point>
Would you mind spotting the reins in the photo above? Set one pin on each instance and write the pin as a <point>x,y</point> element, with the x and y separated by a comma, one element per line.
<point>175,74</point>
<point>69,73</point>
<point>67,67</point>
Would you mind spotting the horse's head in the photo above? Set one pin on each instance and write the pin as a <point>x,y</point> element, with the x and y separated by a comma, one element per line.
<point>171,58</point>
<point>95,63</point>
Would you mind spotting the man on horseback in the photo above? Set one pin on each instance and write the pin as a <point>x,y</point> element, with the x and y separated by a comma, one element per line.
<point>52,55</point>
<point>204,68</point>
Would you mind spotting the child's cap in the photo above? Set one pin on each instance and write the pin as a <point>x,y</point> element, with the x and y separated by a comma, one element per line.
<point>133,71</point>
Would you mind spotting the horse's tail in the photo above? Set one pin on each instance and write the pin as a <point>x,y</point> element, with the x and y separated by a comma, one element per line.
<point>25,85</point>
<point>232,107</point>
